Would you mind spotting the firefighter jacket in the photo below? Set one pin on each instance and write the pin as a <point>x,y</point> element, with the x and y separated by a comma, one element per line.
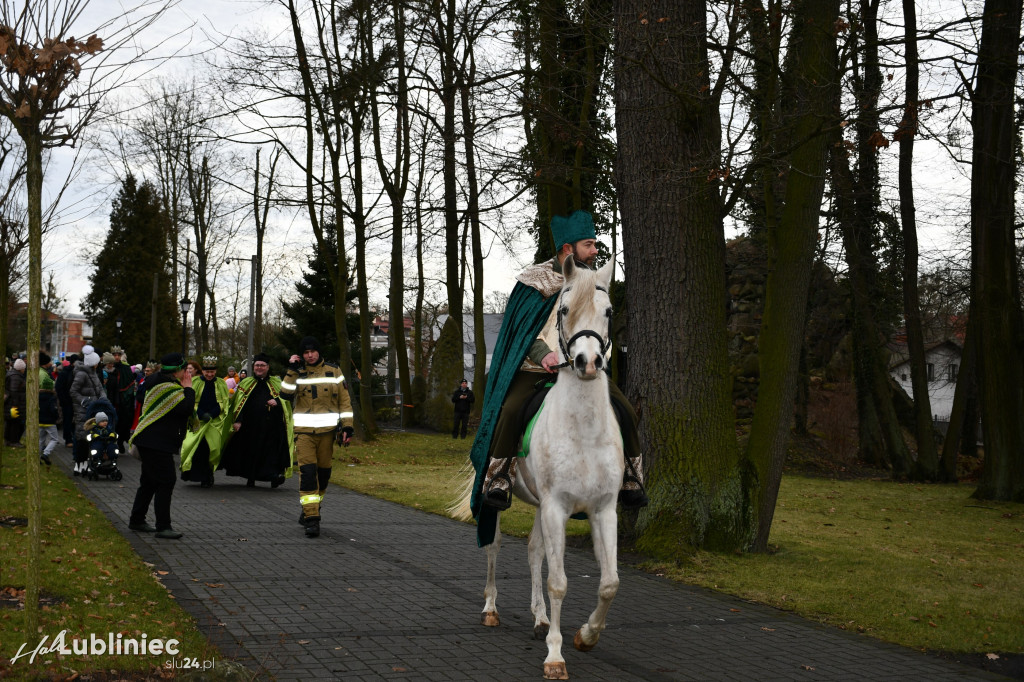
<point>320,401</point>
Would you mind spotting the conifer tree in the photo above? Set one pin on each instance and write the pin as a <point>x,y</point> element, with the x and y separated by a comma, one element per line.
<point>122,277</point>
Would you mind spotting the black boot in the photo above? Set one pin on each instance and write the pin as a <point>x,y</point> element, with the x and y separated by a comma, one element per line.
<point>632,495</point>
<point>312,527</point>
<point>498,482</point>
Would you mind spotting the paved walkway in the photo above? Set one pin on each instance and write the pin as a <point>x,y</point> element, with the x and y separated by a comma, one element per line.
<point>388,592</point>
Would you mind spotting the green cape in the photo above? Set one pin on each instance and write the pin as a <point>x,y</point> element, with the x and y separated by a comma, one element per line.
<point>211,431</point>
<point>525,315</point>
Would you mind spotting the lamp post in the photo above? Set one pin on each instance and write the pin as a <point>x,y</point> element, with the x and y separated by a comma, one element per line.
<point>118,321</point>
<point>185,304</point>
<point>252,306</point>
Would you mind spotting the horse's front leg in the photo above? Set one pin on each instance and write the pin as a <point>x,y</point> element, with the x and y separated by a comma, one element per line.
<point>604,531</point>
<point>489,617</point>
<point>553,520</point>
<point>537,604</point>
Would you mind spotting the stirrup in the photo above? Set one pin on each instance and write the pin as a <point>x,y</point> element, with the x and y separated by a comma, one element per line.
<point>498,498</point>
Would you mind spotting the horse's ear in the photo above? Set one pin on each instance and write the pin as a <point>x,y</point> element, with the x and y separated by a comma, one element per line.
<point>569,268</point>
<point>604,274</point>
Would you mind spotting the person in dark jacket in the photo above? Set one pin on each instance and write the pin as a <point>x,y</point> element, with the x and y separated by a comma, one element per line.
<point>170,401</point>
<point>463,399</point>
<point>121,393</point>
<point>14,404</point>
<point>86,389</point>
<point>49,410</point>
<point>63,387</point>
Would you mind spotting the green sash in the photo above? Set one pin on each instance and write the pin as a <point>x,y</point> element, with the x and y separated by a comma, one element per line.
<point>160,400</point>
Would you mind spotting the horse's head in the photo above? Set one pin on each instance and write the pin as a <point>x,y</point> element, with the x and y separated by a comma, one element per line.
<point>584,318</point>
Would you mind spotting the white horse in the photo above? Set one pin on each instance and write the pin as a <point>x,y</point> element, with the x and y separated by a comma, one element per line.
<point>575,464</point>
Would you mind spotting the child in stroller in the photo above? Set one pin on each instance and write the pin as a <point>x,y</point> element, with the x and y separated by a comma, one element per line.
<point>102,443</point>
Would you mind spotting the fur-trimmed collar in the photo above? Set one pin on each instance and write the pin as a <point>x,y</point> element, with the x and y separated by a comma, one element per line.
<point>543,278</point>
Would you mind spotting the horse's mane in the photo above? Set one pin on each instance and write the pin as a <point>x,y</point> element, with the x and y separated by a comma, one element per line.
<point>579,293</point>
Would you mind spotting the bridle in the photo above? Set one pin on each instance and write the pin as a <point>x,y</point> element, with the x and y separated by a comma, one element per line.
<point>564,346</point>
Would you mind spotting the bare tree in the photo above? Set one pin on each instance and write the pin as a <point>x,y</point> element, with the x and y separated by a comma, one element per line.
<point>51,85</point>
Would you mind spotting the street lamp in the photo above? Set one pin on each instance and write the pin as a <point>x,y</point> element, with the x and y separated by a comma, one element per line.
<point>118,321</point>
<point>185,304</point>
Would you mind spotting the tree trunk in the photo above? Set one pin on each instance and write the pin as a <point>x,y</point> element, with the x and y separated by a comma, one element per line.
<point>811,92</point>
<point>960,416</point>
<point>446,25</point>
<point>927,466</point>
<point>473,211</point>
<point>34,180</point>
<point>995,289</point>
<point>669,135</point>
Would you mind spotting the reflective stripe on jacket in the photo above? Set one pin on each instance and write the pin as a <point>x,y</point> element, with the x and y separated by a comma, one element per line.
<point>320,398</point>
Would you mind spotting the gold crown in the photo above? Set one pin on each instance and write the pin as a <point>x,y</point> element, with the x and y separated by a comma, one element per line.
<point>209,362</point>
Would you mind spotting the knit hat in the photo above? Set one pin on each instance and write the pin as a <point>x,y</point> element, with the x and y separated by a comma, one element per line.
<point>108,359</point>
<point>309,343</point>
<point>44,359</point>
<point>579,225</point>
<point>91,359</point>
<point>261,357</point>
<point>19,365</point>
<point>101,417</point>
<point>231,369</point>
<point>172,362</point>
<point>86,349</point>
<point>73,358</point>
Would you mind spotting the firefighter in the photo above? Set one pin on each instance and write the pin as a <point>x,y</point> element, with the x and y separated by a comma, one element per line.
<point>322,411</point>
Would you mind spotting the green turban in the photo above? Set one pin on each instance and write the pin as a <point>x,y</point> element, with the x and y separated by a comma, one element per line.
<point>579,225</point>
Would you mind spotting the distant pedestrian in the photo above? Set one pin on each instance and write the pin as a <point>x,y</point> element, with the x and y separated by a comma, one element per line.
<point>463,399</point>
<point>14,404</point>
<point>63,387</point>
<point>121,393</point>
<point>86,388</point>
<point>170,401</point>
<point>200,453</point>
<point>49,410</point>
<point>232,380</point>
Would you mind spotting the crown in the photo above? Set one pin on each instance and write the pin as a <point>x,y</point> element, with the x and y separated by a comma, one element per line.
<point>209,362</point>
<point>117,350</point>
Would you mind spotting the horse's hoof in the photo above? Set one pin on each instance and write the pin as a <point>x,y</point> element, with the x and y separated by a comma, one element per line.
<point>555,671</point>
<point>540,631</point>
<point>490,619</point>
<point>578,642</point>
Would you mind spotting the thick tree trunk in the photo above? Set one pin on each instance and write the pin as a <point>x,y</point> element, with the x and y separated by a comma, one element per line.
<point>995,291</point>
<point>668,166</point>
<point>960,416</point>
<point>927,466</point>
<point>473,214</point>
<point>811,92</point>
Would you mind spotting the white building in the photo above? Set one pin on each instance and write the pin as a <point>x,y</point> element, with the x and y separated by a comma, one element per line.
<point>943,364</point>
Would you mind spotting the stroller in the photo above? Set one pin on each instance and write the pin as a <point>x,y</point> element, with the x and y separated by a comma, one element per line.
<point>103,452</point>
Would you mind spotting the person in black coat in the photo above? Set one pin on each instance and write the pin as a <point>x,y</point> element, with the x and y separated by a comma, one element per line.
<point>170,401</point>
<point>63,388</point>
<point>463,399</point>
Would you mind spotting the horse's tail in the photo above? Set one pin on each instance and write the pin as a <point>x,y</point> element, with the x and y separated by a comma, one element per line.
<point>460,509</point>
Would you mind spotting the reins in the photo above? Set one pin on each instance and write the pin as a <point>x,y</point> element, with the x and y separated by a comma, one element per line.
<point>564,346</point>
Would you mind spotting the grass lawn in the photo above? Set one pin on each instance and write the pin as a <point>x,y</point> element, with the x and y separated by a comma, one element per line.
<point>924,566</point>
<point>92,582</point>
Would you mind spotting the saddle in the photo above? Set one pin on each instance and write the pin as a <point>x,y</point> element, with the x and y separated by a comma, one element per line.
<point>531,410</point>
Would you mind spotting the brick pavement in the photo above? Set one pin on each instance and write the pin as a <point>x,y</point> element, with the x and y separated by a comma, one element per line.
<point>388,592</point>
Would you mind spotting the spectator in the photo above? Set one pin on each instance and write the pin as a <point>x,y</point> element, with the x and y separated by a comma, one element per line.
<point>63,388</point>
<point>14,404</point>
<point>49,410</point>
<point>463,399</point>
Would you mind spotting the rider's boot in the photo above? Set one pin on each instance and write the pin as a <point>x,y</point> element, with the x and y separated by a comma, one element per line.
<point>498,482</point>
<point>632,495</point>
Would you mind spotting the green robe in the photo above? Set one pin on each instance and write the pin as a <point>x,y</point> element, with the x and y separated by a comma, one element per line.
<point>525,315</point>
<point>211,431</point>
<point>242,392</point>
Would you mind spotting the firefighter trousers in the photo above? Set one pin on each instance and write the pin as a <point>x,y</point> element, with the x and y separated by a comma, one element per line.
<point>314,453</point>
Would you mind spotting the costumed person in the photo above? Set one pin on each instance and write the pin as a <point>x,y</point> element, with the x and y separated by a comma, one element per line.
<point>170,402</point>
<point>463,400</point>
<point>121,393</point>
<point>322,412</point>
<point>522,357</point>
<point>49,410</point>
<point>261,444</point>
<point>200,453</point>
<point>15,400</point>
<point>86,388</point>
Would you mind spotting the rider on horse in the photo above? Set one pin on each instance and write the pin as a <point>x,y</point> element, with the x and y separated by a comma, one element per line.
<point>522,356</point>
